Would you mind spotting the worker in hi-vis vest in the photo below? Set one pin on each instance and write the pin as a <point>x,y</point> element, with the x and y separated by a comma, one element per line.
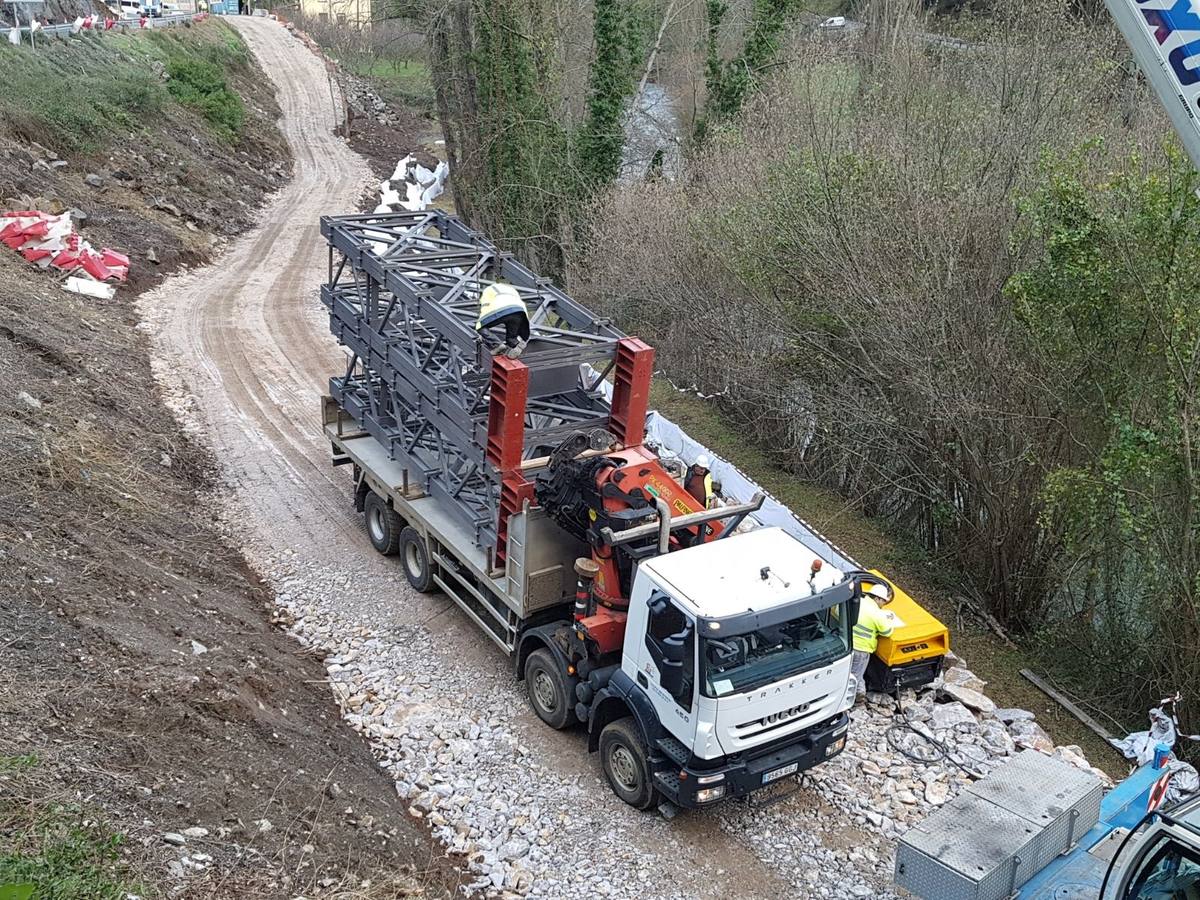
<point>501,306</point>
<point>872,624</point>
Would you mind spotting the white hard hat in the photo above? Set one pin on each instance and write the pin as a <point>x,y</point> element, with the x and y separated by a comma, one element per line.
<point>702,460</point>
<point>879,592</point>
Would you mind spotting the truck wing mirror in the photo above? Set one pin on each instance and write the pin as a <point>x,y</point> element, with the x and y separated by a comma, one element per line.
<point>675,647</point>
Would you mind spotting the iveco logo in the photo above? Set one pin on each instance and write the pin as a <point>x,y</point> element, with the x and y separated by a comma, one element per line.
<point>785,714</point>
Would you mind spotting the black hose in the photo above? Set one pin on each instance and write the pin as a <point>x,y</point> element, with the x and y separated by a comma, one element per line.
<point>901,723</point>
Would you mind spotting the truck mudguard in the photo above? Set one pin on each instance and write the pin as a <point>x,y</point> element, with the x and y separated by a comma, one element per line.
<point>620,697</point>
<point>534,638</point>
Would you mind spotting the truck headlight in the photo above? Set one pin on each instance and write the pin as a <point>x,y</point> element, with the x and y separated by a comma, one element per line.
<point>835,747</point>
<point>708,795</point>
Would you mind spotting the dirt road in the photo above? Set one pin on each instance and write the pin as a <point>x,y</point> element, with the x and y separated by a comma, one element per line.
<point>245,354</point>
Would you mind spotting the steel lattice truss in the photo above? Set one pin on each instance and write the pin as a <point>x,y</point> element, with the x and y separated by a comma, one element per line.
<point>403,297</point>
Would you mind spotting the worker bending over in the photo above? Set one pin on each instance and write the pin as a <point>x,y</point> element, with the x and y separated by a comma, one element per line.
<point>872,624</point>
<point>698,481</point>
<point>500,305</point>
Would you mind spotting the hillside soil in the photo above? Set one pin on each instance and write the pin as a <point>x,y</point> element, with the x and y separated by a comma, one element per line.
<point>144,690</point>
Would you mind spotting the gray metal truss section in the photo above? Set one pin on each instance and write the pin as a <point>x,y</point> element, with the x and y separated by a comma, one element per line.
<point>403,297</point>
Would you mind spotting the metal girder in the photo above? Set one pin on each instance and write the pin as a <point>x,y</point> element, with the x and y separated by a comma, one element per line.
<point>403,297</point>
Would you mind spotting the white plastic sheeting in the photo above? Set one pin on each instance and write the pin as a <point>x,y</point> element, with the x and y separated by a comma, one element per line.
<point>412,186</point>
<point>1140,745</point>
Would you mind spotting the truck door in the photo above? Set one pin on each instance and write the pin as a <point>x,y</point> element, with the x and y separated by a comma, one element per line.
<point>1166,869</point>
<point>667,670</point>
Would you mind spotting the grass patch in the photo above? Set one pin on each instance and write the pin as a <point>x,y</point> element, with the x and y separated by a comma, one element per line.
<point>18,763</point>
<point>402,80</point>
<point>77,96</point>
<point>930,582</point>
<point>199,84</point>
<point>54,851</point>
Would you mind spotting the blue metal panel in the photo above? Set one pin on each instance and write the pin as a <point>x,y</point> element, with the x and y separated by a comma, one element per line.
<point>1079,874</point>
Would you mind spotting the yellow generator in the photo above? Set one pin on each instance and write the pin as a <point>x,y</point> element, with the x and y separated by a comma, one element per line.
<point>914,653</point>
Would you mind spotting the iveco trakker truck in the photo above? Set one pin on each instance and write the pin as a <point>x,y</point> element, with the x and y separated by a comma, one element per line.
<point>705,657</point>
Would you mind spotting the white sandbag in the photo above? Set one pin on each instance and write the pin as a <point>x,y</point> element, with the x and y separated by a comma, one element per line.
<point>401,172</point>
<point>90,288</point>
<point>423,175</point>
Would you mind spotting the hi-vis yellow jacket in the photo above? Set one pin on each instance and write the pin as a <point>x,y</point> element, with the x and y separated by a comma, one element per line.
<point>497,301</point>
<point>871,626</point>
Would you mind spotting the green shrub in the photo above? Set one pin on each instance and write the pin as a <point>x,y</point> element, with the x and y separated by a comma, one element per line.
<point>200,84</point>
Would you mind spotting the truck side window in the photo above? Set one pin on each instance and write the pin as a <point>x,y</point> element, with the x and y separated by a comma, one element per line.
<point>1174,871</point>
<point>666,620</point>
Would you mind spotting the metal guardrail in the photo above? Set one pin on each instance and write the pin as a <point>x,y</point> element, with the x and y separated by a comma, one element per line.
<point>122,26</point>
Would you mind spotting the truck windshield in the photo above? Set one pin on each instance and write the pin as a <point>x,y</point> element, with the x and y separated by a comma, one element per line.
<point>736,663</point>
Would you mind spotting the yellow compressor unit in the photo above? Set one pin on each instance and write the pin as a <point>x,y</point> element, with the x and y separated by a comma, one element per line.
<point>916,649</point>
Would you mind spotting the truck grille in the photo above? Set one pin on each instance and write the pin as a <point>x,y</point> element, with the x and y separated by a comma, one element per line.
<point>777,720</point>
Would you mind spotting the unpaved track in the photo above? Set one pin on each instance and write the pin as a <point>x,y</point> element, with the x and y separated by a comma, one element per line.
<point>244,353</point>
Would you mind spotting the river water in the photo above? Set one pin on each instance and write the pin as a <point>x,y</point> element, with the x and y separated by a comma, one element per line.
<point>651,126</point>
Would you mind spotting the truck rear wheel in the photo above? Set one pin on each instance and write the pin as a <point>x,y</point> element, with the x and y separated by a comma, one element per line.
<point>549,693</point>
<point>383,525</point>
<point>415,557</point>
<point>626,763</point>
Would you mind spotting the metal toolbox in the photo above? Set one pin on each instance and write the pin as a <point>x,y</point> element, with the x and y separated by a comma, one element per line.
<point>999,832</point>
<point>1063,802</point>
<point>970,849</point>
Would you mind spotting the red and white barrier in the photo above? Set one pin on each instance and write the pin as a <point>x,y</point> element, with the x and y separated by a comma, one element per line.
<point>51,241</point>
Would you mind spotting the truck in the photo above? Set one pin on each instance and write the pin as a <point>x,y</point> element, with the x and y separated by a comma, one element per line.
<point>704,656</point>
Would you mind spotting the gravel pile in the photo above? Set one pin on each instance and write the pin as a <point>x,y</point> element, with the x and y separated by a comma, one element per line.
<point>490,781</point>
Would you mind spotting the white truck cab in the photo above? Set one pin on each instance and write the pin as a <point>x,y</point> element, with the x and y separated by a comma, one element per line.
<point>745,664</point>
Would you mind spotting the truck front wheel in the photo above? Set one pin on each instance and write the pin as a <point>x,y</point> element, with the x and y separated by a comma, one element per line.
<point>549,692</point>
<point>626,763</point>
<point>415,557</point>
<point>383,525</point>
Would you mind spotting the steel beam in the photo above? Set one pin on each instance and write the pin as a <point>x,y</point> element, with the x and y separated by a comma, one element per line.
<point>403,297</point>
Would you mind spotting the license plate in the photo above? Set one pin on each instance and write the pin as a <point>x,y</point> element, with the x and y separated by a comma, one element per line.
<point>780,773</point>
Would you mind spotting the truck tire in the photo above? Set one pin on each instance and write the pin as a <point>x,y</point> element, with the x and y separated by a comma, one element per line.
<point>383,525</point>
<point>550,693</point>
<point>414,558</point>
<point>626,763</point>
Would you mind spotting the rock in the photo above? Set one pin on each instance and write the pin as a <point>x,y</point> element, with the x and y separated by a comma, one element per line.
<point>264,825</point>
<point>1007,715</point>
<point>29,400</point>
<point>198,648</point>
<point>166,207</point>
<point>174,839</point>
<point>969,698</point>
<point>1029,734</point>
<point>78,214</point>
<point>937,793</point>
<point>513,849</point>
<point>996,739</point>
<point>58,163</point>
<point>963,677</point>
<point>151,256</point>
<point>1074,755</point>
<point>944,716</point>
<point>93,179</point>
<point>195,832</point>
<point>164,460</point>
